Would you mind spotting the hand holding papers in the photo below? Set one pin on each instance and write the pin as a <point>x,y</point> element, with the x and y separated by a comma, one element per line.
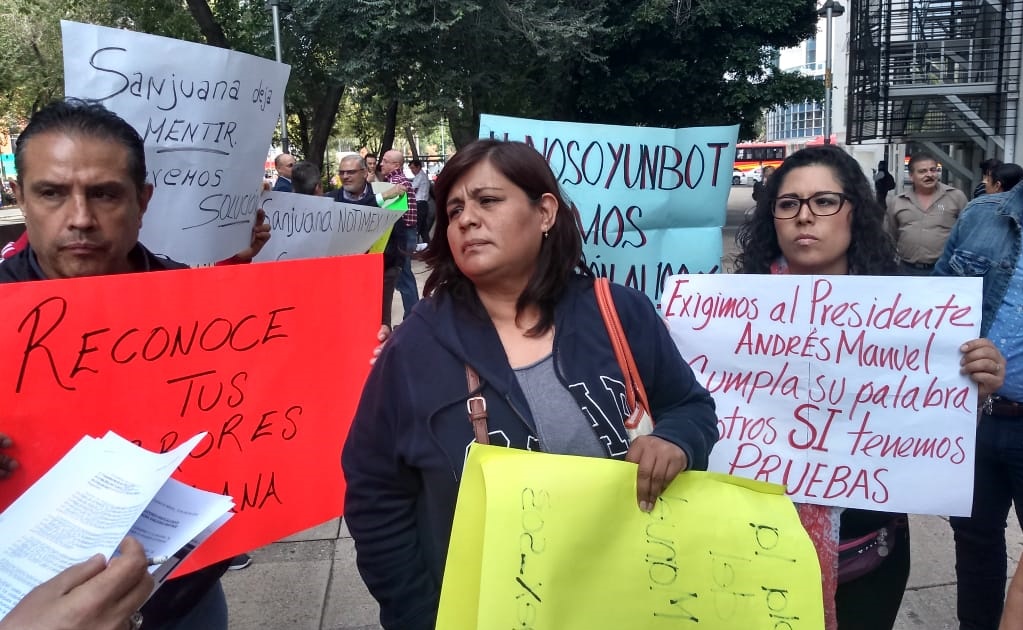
<point>101,491</point>
<point>92,595</point>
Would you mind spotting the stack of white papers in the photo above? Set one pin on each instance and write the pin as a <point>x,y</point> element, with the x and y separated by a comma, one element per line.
<point>100,492</point>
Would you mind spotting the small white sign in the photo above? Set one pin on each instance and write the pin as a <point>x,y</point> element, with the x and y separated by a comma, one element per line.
<point>308,226</point>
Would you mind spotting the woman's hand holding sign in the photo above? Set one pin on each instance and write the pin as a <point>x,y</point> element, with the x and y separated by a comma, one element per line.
<point>659,463</point>
<point>984,364</point>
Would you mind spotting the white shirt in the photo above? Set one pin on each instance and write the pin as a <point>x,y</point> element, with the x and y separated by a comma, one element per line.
<point>421,184</point>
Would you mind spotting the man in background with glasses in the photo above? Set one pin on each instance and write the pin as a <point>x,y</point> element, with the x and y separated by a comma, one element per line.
<point>921,218</point>
<point>355,189</point>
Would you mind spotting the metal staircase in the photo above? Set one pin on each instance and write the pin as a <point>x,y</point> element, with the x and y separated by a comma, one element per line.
<point>944,74</point>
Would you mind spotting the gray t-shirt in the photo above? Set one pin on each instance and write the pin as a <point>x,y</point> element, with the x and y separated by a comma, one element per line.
<point>561,425</point>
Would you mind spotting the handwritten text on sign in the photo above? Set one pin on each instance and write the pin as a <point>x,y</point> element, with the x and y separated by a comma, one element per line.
<point>309,226</point>
<point>716,552</point>
<point>206,115</point>
<point>844,388</point>
<point>650,202</point>
<point>259,357</point>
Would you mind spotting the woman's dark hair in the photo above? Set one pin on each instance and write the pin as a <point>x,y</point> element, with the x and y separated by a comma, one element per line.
<point>871,249</point>
<point>989,165</point>
<point>1008,175</point>
<point>88,118</point>
<point>561,253</point>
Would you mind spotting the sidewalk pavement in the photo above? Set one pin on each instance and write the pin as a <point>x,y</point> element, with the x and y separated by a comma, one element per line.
<point>309,582</point>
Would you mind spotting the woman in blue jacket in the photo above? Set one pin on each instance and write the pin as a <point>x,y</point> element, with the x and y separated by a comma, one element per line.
<point>509,296</point>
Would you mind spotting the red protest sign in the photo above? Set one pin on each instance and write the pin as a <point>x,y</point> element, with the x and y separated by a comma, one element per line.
<point>268,359</point>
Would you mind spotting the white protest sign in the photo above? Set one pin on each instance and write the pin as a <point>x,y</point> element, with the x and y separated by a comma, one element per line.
<point>310,226</point>
<point>844,388</point>
<point>206,115</point>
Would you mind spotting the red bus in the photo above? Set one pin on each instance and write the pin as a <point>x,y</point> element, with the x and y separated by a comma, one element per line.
<point>756,155</point>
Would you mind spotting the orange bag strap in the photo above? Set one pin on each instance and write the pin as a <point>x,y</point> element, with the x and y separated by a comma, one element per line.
<point>635,393</point>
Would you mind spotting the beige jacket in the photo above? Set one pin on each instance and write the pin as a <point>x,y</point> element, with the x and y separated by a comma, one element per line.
<point>920,233</point>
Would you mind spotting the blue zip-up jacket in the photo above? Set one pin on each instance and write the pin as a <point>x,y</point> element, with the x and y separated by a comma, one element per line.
<point>403,457</point>
<point>985,242</point>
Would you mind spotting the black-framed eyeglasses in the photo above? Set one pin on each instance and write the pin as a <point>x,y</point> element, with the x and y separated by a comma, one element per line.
<point>822,204</point>
<point>346,173</point>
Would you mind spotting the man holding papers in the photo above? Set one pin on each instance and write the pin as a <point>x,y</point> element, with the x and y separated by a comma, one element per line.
<point>81,185</point>
<point>92,595</point>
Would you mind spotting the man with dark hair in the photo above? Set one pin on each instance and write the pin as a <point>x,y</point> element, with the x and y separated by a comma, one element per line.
<point>370,162</point>
<point>921,218</point>
<point>283,163</point>
<point>81,186</point>
<point>305,179</point>
<point>987,167</point>
<point>884,183</point>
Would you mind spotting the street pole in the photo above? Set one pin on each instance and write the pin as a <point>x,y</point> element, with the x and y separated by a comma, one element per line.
<point>827,78</point>
<point>831,9</point>
<point>277,49</point>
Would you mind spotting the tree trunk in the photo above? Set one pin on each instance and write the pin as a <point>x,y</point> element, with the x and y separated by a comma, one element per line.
<point>464,123</point>
<point>209,26</point>
<point>411,138</point>
<point>303,134</point>
<point>323,122</point>
<point>390,122</point>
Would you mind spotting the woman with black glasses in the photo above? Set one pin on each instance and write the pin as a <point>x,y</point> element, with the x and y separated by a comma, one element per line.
<point>820,216</point>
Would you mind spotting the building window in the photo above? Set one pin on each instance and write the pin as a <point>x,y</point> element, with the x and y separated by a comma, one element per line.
<point>798,121</point>
<point>811,52</point>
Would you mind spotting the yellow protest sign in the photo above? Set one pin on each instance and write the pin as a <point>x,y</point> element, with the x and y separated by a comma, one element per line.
<point>556,542</point>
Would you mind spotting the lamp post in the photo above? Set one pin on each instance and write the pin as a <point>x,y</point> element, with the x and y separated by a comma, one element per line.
<point>275,8</point>
<point>830,9</point>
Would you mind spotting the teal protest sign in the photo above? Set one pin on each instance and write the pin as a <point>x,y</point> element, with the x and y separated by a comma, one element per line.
<point>650,202</point>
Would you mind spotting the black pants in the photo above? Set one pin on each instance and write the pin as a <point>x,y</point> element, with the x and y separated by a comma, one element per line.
<point>390,279</point>
<point>424,220</point>
<point>981,563</point>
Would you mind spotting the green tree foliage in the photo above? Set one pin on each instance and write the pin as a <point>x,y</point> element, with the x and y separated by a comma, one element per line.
<point>33,73</point>
<point>410,64</point>
<point>674,63</point>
